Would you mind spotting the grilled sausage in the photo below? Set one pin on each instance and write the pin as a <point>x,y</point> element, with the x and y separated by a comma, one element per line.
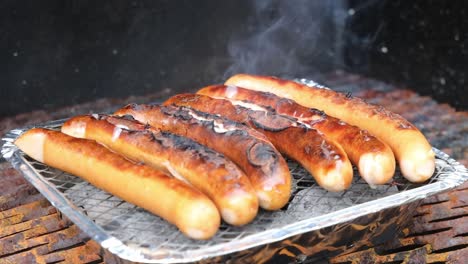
<point>208,171</point>
<point>249,149</point>
<point>190,210</point>
<point>373,158</point>
<point>411,149</point>
<point>325,161</point>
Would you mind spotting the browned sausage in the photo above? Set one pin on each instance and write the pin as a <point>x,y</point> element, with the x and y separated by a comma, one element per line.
<point>373,158</point>
<point>249,149</point>
<point>190,210</point>
<point>412,150</point>
<point>208,171</point>
<point>326,162</point>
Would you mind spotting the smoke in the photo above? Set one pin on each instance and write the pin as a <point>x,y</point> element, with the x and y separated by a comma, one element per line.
<point>288,38</point>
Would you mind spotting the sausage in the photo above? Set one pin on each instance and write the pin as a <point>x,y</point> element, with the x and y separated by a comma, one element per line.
<point>250,150</point>
<point>190,210</point>
<point>411,149</point>
<point>208,171</point>
<point>325,161</point>
<point>373,158</point>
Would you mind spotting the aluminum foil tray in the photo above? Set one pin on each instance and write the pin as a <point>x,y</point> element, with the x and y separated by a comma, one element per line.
<point>315,222</point>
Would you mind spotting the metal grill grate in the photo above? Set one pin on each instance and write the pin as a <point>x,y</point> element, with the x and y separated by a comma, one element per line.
<point>133,225</point>
<point>144,233</point>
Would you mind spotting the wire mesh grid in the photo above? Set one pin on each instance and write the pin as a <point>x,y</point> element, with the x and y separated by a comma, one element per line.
<point>134,226</point>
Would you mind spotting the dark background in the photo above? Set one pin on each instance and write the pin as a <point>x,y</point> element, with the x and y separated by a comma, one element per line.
<point>56,53</point>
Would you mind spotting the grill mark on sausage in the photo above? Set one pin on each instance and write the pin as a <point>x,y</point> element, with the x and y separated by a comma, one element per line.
<point>234,129</point>
<point>168,140</point>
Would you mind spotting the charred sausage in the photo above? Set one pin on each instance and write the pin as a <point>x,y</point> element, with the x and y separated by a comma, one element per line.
<point>373,158</point>
<point>326,162</point>
<point>250,150</point>
<point>190,210</point>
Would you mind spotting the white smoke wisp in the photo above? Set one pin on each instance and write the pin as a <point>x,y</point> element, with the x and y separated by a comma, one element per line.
<point>285,37</point>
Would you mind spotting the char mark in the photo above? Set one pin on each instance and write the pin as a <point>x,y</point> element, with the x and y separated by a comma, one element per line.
<point>260,154</point>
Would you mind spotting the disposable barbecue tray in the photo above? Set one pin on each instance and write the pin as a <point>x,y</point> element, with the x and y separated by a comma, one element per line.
<point>315,222</point>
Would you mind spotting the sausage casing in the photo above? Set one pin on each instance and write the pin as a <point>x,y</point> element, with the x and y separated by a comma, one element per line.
<point>326,162</point>
<point>373,158</point>
<point>250,150</point>
<point>190,210</point>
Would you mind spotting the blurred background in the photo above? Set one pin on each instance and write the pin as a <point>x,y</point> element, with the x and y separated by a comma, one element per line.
<point>58,53</point>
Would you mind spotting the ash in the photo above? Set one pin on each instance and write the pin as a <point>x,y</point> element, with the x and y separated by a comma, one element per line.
<point>316,201</point>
